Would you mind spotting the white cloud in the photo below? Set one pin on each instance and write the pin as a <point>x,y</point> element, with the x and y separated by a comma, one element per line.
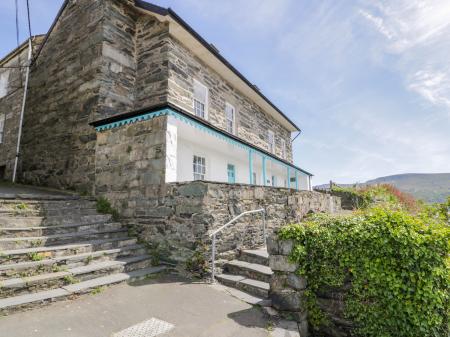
<point>433,85</point>
<point>418,32</point>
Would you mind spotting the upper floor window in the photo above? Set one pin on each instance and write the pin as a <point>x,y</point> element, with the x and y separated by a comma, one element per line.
<point>283,149</point>
<point>230,116</point>
<point>200,100</point>
<point>271,141</point>
<point>199,168</point>
<point>2,127</point>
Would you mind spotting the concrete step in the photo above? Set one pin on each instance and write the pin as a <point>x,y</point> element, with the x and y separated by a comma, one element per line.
<point>47,281</point>
<point>68,204</point>
<point>69,210</point>
<point>257,256</point>
<point>22,302</point>
<point>20,221</point>
<point>253,287</point>
<point>69,219</point>
<point>41,196</point>
<point>58,239</point>
<point>33,268</point>
<point>249,270</point>
<point>53,230</point>
<point>41,253</point>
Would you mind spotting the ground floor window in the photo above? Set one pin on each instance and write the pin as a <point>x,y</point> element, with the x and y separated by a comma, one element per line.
<point>199,165</point>
<point>231,174</point>
<point>274,181</point>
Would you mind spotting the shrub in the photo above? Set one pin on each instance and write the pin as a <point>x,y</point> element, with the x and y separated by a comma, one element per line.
<point>397,266</point>
<point>104,206</point>
<point>384,195</point>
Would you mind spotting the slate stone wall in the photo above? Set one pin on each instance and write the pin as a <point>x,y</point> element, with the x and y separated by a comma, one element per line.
<point>118,64</point>
<point>11,104</point>
<point>58,144</point>
<point>152,39</point>
<point>130,165</point>
<point>286,287</point>
<point>252,122</point>
<point>182,215</point>
<point>287,291</point>
<point>102,58</point>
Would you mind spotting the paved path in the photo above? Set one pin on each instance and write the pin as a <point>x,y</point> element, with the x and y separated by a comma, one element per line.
<point>196,310</point>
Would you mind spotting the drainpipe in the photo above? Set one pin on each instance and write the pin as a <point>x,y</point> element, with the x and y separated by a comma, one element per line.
<point>22,111</point>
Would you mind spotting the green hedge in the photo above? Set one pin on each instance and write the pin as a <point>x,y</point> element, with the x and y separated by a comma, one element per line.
<point>397,264</point>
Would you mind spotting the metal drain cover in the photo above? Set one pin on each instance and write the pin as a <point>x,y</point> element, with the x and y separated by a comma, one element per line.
<point>150,328</point>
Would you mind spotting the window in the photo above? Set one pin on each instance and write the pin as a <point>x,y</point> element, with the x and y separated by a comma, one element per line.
<point>271,141</point>
<point>2,127</point>
<point>274,181</point>
<point>231,174</point>
<point>199,168</point>
<point>254,178</point>
<point>230,116</point>
<point>200,100</point>
<point>283,149</point>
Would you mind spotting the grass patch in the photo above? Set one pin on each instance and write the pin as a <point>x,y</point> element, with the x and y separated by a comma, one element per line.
<point>104,206</point>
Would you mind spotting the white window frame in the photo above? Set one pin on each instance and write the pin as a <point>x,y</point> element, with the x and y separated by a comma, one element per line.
<point>2,126</point>
<point>230,107</point>
<point>283,149</point>
<point>198,100</point>
<point>271,141</point>
<point>199,167</point>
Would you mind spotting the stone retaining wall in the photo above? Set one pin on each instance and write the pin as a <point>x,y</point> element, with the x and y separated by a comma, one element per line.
<point>286,287</point>
<point>287,291</point>
<point>183,214</point>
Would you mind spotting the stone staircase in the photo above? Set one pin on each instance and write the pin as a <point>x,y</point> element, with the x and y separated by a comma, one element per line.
<point>58,246</point>
<point>249,273</point>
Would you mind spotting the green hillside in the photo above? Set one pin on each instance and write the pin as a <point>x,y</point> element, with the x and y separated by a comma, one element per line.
<point>427,187</point>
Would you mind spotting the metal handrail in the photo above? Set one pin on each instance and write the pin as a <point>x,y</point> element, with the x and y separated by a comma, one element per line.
<point>213,236</point>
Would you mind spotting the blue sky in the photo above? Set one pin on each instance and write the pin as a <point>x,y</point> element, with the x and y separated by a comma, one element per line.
<point>368,81</point>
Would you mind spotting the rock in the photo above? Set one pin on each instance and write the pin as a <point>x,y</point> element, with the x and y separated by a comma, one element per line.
<point>287,300</point>
<point>286,247</point>
<point>272,246</point>
<point>281,263</point>
<point>296,282</point>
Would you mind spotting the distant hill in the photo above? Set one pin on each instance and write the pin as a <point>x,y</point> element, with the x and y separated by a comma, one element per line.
<point>429,187</point>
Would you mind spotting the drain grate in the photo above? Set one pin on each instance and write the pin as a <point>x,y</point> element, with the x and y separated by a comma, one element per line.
<point>150,328</point>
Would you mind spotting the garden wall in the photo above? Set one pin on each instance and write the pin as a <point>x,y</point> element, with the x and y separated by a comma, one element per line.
<point>287,294</point>
<point>180,218</point>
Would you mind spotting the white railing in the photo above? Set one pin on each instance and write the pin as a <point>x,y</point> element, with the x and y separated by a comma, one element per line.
<point>217,231</point>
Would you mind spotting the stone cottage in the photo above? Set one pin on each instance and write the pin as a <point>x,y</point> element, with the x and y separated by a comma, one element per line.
<point>127,101</point>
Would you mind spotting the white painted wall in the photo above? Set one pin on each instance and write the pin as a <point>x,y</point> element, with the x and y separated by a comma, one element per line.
<point>184,141</point>
<point>171,153</point>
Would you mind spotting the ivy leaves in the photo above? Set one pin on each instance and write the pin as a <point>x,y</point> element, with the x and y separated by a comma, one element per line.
<point>397,265</point>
